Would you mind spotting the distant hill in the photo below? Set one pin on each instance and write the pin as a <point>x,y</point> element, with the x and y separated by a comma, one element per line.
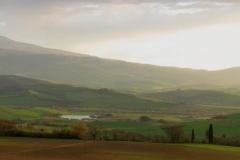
<point>15,83</point>
<point>58,66</point>
<point>198,97</point>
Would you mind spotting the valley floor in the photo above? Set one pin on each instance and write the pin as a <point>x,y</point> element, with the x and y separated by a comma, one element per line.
<point>49,149</point>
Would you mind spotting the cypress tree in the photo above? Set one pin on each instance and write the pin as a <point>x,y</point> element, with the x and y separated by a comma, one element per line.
<point>210,134</point>
<point>193,136</point>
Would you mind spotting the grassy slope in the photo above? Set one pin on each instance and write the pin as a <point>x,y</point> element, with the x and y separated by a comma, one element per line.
<point>45,149</point>
<point>8,113</point>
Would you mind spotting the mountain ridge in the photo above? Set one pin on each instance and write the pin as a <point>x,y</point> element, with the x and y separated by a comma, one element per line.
<point>95,72</point>
<point>7,43</point>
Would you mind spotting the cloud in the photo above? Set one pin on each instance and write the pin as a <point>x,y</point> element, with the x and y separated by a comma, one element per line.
<point>5,3</point>
<point>183,4</point>
<point>3,24</point>
<point>87,25</point>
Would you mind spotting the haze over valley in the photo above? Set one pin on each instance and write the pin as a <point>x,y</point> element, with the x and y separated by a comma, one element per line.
<point>87,79</point>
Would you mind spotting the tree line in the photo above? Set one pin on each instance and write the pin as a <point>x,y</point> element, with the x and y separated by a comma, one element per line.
<point>173,134</point>
<point>74,131</point>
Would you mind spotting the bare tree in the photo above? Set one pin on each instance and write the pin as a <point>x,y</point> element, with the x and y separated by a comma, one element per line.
<point>106,135</point>
<point>174,133</point>
<point>116,133</point>
<point>94,131</point>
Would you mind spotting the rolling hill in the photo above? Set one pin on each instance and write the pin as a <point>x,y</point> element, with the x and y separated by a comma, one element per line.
<point>58,66</point>
<point>21,91</point>
<point>26,92</point>
<point>210,97</point>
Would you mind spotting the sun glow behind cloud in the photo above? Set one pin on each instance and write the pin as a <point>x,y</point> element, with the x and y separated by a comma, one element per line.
<point>213,47</point>
<point>3,24</point>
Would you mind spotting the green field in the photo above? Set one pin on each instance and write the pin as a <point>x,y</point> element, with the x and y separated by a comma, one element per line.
<point>145,128</point>
<point>117,101</point>
<point>27,113</point>
<point>228,126</point>
<point>127,121</point>
<point>215,147</point>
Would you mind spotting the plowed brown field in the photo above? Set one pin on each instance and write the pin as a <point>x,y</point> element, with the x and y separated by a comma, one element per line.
<point>52,149</point>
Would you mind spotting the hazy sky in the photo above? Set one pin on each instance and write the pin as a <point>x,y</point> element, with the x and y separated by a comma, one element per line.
<point>203,34</point>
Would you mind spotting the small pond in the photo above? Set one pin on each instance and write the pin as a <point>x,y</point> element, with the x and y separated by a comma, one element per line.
<point>78,117</point>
